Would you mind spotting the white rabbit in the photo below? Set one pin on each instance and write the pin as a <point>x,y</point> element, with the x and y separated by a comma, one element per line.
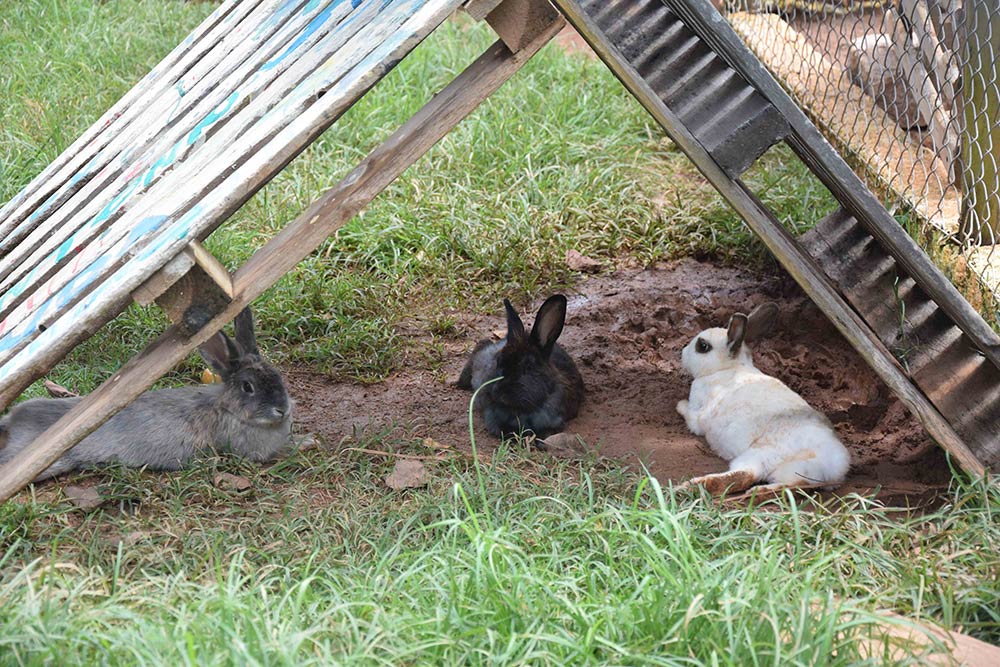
<point>765,430</point>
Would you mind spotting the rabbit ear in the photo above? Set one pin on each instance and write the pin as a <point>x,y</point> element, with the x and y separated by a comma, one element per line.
<point>762,319</point>
<point>549,322</point>
<point>244,332</point>
<point>222,353</point>
<point>735,333</point>
<point>515,327</point>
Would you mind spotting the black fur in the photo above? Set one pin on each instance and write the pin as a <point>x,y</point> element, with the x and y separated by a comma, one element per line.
<point>541,387</point>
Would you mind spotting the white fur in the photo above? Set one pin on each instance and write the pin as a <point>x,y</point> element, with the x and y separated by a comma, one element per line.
<point>755,421</point>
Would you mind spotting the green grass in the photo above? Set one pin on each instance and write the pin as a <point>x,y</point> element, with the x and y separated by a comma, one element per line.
<point>527,560</point>
<point>552,564</point>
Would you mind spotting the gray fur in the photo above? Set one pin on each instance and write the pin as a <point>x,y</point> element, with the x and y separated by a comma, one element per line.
<point>165,429</point>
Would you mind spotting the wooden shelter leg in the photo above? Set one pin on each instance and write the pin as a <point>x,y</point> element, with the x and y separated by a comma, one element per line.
<point>279,255</point>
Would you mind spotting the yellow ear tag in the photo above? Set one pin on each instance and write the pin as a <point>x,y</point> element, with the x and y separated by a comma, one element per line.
<point>208,377</point>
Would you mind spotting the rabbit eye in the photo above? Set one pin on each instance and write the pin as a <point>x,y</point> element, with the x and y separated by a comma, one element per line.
<point>247,387</point>
<point>702,346</point>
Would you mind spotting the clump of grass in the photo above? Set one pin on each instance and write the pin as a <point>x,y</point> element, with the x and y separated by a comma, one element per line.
<point>550,563</point>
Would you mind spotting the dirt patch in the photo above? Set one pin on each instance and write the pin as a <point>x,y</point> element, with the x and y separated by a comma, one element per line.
<point>626,331</point>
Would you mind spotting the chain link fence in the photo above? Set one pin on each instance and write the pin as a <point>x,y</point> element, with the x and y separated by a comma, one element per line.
<point>909,90</point>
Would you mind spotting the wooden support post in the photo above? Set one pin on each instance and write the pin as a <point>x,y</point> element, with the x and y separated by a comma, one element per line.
<point>279,255</point>
<point>478,9</point>
<point>516,22</point>
<point>192,288</point>
<point>788,252</point>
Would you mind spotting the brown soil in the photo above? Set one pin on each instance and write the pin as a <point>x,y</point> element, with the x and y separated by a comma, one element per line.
<point>626,331</point>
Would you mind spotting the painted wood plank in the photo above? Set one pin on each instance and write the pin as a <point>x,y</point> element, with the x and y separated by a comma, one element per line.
<point>247,104</point>
<point>119,110</point>
<point>180,217</point>
<point>79,166</point>
<point>165,142</point>
<point>279,255</point>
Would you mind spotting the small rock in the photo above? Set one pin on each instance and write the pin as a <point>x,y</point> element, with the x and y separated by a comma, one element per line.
<point>565,444</point>
<point>58,391</point>
<point>407,474</point>
<point>308,441</point>
<point>578,262</point>
<point>229,482</point>
<point>84,497</point>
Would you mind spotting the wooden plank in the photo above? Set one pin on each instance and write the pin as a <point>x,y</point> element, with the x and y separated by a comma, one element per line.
<point>154,143</point>
<point>74,164</point>
<point>191,288</point>
<point>517,22</point>
<point>275,258</point>
<point>478,9</point>
<point>839,178</point>
<point>200,294</point>
<point>281,123</point>
<point>162,280</point>
<point>791,256</point>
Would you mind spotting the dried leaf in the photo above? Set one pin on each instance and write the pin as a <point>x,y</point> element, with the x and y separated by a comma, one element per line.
<point>407,474</point>
<point>83,497</point>
<point>59,391</point>
<point>228,482</point>
<point>578,262</point>
<point>210,377</point>
<point>431,443</point>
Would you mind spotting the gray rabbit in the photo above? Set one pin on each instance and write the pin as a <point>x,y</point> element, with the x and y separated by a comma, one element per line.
<point>249,414</point>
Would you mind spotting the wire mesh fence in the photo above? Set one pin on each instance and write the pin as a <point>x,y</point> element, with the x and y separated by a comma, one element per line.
<point>910,91</point>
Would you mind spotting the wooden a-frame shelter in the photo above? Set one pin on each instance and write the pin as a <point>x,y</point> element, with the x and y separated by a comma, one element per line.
<point>120,215</point>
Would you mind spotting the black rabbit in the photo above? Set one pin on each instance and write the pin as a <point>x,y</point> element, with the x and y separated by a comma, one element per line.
<point>541,388</point>
<point>250,414</point>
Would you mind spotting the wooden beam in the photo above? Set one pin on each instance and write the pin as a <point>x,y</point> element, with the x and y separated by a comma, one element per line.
<point>279,255</point>
<point>201,293</point>
<point>478,9</point>
<point>781,244</point>
<point>518,22</point>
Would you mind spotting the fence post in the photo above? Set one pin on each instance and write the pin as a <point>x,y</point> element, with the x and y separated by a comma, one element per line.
<point>981,121</point>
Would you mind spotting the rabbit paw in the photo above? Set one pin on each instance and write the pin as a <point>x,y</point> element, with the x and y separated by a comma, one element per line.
<point>682,408</point>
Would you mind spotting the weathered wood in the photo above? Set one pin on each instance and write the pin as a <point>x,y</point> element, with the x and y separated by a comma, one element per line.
<point>71,166</point>
<point>162,280</point>
<point>789,253</point>
<point>478,9</point>
<point>200,294</point>
<point>275,258</point>
<point>517,22</point>
<point>159,141</point>
<point>839,178</point>
<point>190,203</point>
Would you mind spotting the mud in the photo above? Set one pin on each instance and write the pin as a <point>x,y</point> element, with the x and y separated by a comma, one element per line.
<point>626,331</point>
